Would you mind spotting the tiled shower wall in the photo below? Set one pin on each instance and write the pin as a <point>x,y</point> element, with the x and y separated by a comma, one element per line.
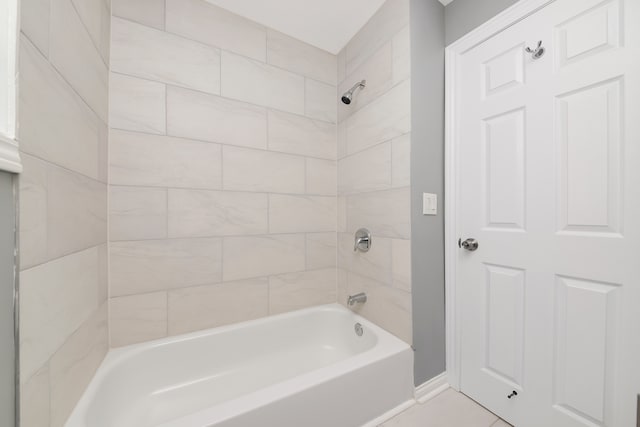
<point>222,170</point>
<point>63,103</point>
<point>373,169</point>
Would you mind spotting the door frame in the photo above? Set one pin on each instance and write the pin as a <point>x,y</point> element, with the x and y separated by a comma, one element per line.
<point>453,53</point>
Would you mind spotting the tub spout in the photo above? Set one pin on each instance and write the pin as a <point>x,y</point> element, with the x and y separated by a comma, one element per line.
<point>357,298</point>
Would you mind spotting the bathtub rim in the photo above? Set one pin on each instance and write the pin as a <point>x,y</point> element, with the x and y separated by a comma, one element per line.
<point>387,345</point>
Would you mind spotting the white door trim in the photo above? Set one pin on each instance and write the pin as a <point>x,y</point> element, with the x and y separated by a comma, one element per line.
<point>499,23</point>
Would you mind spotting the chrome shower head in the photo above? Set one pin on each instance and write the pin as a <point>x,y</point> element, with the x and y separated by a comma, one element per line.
<point>348,96</point>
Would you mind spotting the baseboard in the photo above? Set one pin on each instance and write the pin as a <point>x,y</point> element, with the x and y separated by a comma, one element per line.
<point>431,388</point>
<point>390,414</point>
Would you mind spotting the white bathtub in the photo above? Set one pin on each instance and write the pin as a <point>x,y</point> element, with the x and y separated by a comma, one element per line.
<point>302,369</point>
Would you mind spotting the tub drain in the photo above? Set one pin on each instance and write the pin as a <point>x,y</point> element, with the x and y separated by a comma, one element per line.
<point>358,329</point>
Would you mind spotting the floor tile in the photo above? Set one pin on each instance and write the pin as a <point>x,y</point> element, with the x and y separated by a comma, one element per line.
<point>449,409</point>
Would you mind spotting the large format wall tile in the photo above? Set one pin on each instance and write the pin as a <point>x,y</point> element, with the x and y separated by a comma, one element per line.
<point>34,22</point>
<point>92,14</point>
<point>137,213</point>
<point>387,117</point>
<point>401,161</point>
<point>375,264</point>
<point>76,212</point>
<point>295,214</point>
<point>154,265</point>
<point>206,23</point>
<point>246,257</point>
<point>75,363</point>
<point>155,55</point>
<point>322,177</point>
<point>54,120</point>
<point>367,170</point>
<point>55,299</point>
<point>262,171</point>
<point>301,58</point>
<point>136,104</point>
<point>294,291</point>
<point>294,134</point>
<point>138,318</point>
<point>35,398</point>
<point>321,250</point>
<point>204,307</point>
<point>385,213</point>
<point>212,118</point>
<point>152,160</point>
<point>255,82</point>
<point>320,101</point>
<point>146,12</point>
<point>72,52</point>
<point>198,213</point>
<point>33,212</point>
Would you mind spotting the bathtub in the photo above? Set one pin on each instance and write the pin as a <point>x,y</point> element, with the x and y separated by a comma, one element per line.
<point>307,368</point>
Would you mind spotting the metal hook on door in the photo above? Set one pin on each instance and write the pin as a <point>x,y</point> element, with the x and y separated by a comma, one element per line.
<point>538,52</point>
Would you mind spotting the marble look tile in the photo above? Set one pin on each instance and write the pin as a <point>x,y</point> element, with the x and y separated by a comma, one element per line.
<point>155,55</point>
<point>33,212</point>
<point>75,363</point>
<point>386,213</point>
<point>342,65</point>
<point>103,273</point>
<point>201,213</point>
<point>155,265</point>
<point>247,257</point>
<point>105,45</point>
<point>151,160</point>
<point>342,139</point>
<point>366,170</point>
<point>392,17</point>
<point>251,81</point>
<point>295,214</point>
<point>378,71</point>
<point>34,22</point>
<point>342,287</point>
<point>375,264</point>
<point>74,55</point>
<point>294,291</point>
<point>401,263</point>
<point>206,117</point>
<point>262,171</point>
<point>387,117</point>
<point>205,307</point>
<point>449,408</point>
<point>54,120</point>
<point>137,104</point>
<point>137,213</point>
<point>147,12</point>
<point>322,177</point>
<point>321,250</point>
<point>76,212</point>
<point>342,214</point>
<point>401,161</point>
<point>320,101</point>
<point>387,307</point>
<point>402,55</point>
<point>212,25</point>
<point>301,58</point>
<point>501,423</point>
<point>295,134</point>
<point>34,399</point>
<point>55,299</point>
<point>137,318</point>
<point>91,15</point>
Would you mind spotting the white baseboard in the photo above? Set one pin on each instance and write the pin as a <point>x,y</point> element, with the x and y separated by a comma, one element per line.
<point>431,388</point>
<point>390,414</point>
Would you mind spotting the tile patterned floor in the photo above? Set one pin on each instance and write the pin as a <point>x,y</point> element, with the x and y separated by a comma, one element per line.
<point>448,409</point>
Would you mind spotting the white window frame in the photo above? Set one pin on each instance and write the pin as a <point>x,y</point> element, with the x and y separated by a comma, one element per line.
<point>9,155</point>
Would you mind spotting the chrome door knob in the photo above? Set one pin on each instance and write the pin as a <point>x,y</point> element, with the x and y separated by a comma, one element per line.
<point>469,244</point>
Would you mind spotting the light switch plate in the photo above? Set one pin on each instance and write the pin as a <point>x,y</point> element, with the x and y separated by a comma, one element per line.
<point>429,204</point>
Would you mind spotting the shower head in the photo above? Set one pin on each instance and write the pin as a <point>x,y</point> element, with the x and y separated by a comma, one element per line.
<point>348,96</point>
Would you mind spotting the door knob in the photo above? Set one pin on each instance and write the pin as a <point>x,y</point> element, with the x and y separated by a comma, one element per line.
<point>469,244</point>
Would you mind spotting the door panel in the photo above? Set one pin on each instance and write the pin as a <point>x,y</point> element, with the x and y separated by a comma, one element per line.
<point>548,183</point>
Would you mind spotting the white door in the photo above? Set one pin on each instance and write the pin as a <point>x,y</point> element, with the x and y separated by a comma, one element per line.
<point>548,183</point>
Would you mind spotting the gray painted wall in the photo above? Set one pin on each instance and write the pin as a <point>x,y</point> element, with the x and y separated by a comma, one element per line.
<point>7,261</point>
<point>462,16</point>
<point>427,176</point>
